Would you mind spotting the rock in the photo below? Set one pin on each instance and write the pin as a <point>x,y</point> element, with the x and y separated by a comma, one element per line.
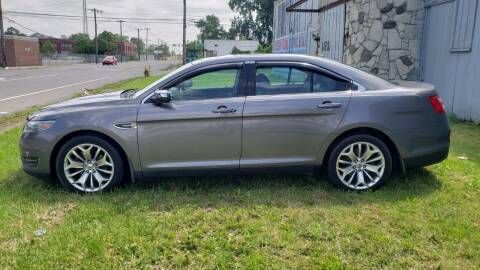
<point>357,55</point>
<point>374,70</point>
<point>374,12</point>
<point>398,3</point>
<point>392,71</point>
<point>403,18</point>
<point>376,31</point>
<point>406,60</point>
<point>404,43</point>
<point>383,62</point>
<point>361,17</point>
<point>378,51</point>
<point>387,8</point>
<point>384,5</point>
<point>414,5</point>
<point>360,38</point>
<point>413,48</point>
<point>389,25</point>
<point>401,9</point>
<point>395,54</point>
<point>370,45</point>
<point>402,69</point>
<point>413,75</point>
<point>366,56</point>
<point>394,41</point>
<point>410,31</point>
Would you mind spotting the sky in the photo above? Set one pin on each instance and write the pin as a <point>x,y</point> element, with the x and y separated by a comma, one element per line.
<point>128,10</point>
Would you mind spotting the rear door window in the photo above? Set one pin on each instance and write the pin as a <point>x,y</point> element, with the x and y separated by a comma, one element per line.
<point>282,80</point>
<point>277,80</point>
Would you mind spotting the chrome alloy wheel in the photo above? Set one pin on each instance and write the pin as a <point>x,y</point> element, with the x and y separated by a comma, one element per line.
<point>88,167</point>
<point>360,165</point>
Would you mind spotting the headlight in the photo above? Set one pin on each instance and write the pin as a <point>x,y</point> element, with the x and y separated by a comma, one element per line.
<point>37,126</point>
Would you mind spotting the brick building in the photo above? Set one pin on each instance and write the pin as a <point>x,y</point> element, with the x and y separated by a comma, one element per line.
<point>126,48</point>
<point>22,51</point>
<point>62,45</point>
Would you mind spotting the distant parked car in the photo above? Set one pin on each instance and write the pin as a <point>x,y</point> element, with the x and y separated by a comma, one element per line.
<point>239,115</point>
<point>109,60</point>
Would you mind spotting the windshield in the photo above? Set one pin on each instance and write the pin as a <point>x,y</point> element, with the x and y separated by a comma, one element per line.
<point>164,78</point>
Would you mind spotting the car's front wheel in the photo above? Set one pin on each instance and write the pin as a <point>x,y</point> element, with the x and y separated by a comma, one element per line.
<point>89,164</point>
<point>360,162</point>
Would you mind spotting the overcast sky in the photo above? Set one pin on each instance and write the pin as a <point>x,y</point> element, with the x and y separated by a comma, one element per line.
<point>170,32</point>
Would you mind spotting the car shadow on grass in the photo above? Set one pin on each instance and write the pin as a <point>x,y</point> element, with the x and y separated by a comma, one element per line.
<point>238,191</point>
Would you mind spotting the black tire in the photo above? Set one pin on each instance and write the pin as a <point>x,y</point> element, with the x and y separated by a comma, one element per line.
<point>343,144</point>
<point>116,158</point>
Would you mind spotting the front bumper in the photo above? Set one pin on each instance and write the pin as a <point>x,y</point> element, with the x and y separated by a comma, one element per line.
<point>35,152</point>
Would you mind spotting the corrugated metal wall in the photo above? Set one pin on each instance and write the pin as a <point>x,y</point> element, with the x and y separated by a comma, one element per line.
<point>332,28</point>
<point>451,54</point>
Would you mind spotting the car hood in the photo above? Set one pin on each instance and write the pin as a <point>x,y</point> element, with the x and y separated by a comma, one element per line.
<point>88,100</point>
<point>87,103</point>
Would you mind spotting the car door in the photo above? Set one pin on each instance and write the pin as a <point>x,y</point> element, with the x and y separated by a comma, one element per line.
<point>290,110</point>
<point>199,131</point>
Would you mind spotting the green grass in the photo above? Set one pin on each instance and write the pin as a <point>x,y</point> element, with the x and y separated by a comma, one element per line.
<point>135,83</point>
<point>428,219</point>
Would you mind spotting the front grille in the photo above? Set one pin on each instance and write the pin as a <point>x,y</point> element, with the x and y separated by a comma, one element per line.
<point>30,162</point>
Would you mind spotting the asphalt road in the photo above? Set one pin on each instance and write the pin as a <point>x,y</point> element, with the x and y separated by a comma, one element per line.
<point>23,88</point>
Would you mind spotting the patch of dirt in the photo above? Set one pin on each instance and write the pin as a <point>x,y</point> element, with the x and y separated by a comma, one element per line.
<point>55,215</point>
<point>10,125</point>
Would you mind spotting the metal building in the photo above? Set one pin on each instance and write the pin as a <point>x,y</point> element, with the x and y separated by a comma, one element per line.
<point>437,41</point>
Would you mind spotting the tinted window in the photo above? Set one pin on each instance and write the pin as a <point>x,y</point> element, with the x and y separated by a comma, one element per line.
<point>209,85</point>
<point>324,83</point>
<point>282,80</point>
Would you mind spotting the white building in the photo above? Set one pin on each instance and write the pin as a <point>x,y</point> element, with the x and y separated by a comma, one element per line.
<point>216,47</point>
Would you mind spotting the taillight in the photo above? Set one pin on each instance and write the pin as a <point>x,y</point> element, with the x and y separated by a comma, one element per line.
<point>437,104</point>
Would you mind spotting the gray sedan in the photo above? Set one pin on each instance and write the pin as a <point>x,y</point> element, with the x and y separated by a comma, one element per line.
<point>241,115</point>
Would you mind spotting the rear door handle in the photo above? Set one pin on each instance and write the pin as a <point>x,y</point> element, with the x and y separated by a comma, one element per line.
<point>329,105</point>
<point>224,109</point>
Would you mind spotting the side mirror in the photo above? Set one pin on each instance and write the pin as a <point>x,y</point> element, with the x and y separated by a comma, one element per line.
<point>161,96</point>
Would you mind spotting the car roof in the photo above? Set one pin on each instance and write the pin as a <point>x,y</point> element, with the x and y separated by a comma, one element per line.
<point>369,81</point>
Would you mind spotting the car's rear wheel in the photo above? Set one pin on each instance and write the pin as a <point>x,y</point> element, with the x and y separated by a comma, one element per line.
<point>360,162</point>
<point>89,164</point>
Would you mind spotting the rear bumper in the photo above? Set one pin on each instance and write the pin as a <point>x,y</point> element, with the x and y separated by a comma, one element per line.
<point>424,146</point>
<point>428,159</point>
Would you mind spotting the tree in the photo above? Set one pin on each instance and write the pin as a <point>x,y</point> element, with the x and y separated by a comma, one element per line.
<point>210,28</point>
<point>83,43</point>
<point>139,43</point>
<point>14,32</point>
<point>106,43</point>
<point>47,47</point>
<point>255,20</point>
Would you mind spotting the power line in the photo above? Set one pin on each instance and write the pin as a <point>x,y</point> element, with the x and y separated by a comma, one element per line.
<point>23,26</point>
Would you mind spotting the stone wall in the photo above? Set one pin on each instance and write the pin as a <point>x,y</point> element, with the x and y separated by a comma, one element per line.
<point>384,37</point>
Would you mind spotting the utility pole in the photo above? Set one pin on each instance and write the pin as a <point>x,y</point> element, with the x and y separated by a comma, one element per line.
<point>121,39</point>
<point>2,38</point>
<point>85,19</point>
<point>184,31</point>
<point>95,11</point>
<point>138,43</point>
<point>146,45</point>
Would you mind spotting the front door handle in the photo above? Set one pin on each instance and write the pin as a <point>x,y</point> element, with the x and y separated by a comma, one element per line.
<point>224,109</point>
<point>329,105</point>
